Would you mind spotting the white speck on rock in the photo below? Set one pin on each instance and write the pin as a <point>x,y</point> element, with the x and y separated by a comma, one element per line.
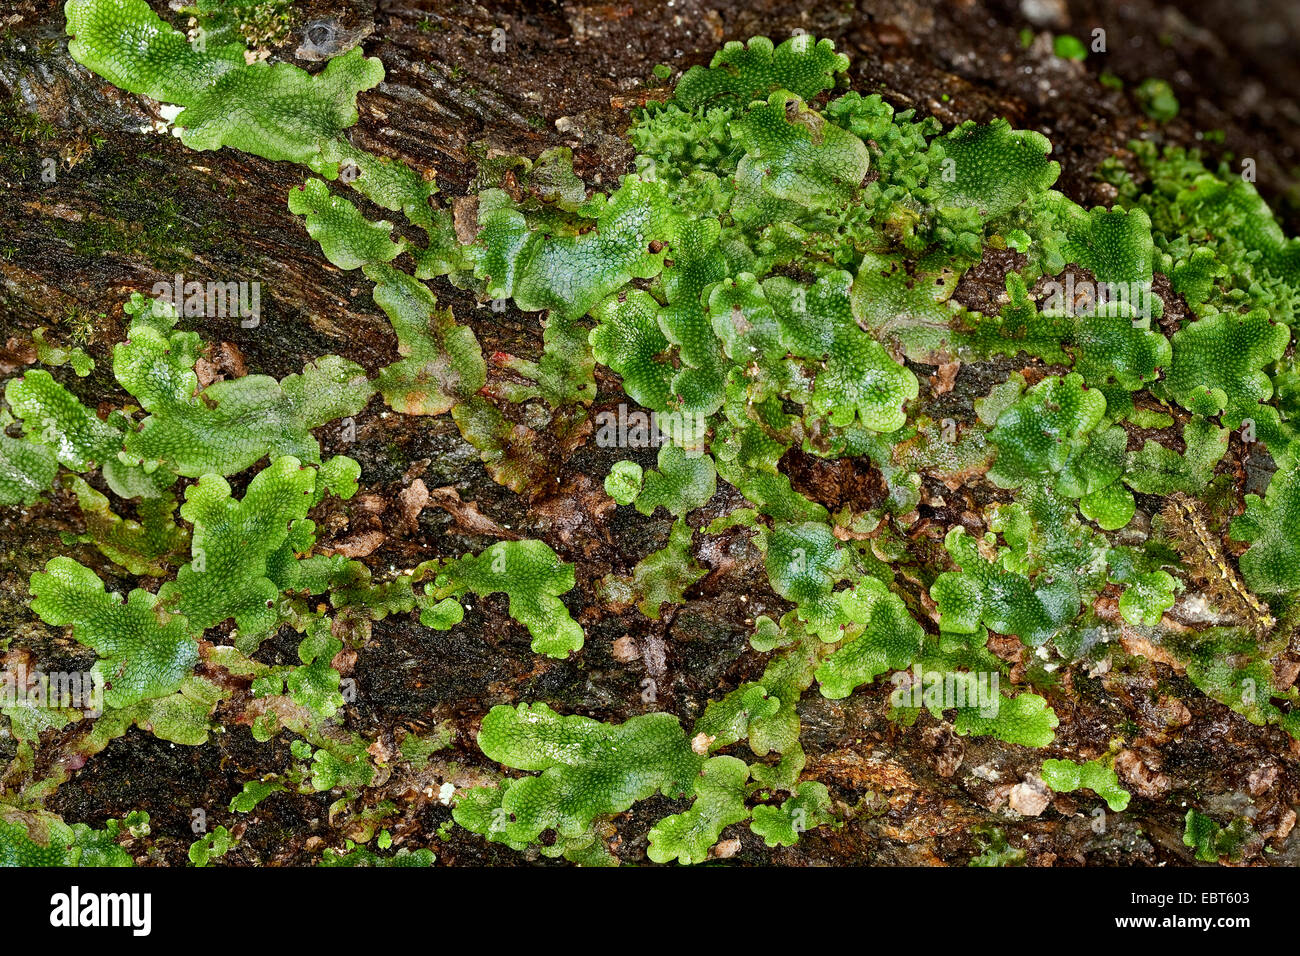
<point>726,849</point>
<point>1030,798</point>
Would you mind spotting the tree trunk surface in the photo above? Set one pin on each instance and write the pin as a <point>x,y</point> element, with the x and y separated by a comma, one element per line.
<point>131,208</point>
